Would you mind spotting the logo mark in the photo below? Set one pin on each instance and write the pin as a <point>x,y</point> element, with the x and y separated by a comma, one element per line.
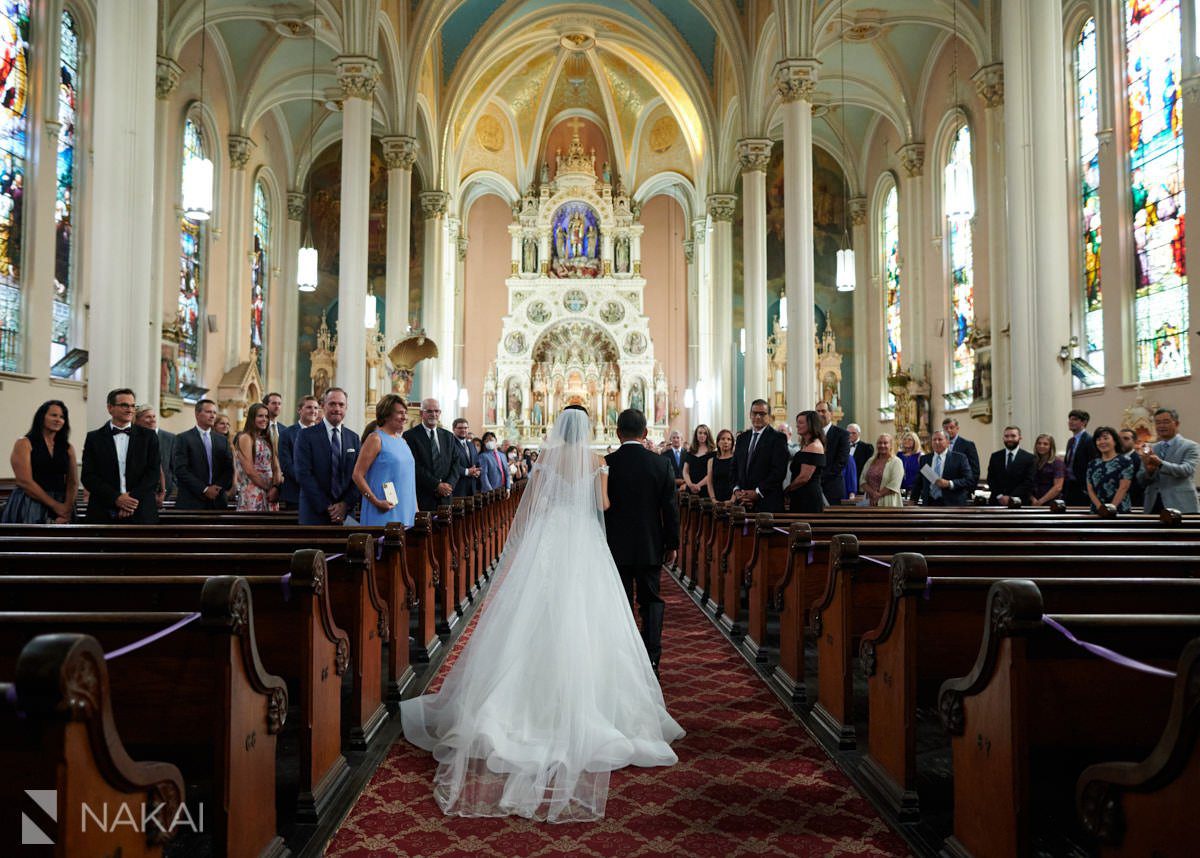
<point>47,802</point>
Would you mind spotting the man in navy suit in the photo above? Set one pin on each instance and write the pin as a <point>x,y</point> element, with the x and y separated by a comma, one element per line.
<point>324,460</point>
<point>674,455</point>
<point>121,467</point>
<point>202,463</point>
<point>953,486</point>
<point>309,414</point>
<point>1080,450</point>
<point>958,444</point>
<point>466,460</point>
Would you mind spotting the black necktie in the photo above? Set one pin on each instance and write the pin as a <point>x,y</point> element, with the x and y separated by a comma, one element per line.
<point>335,454</point>
<point>753,444</point>
<point>125,431</point>
<point>1008,464</point>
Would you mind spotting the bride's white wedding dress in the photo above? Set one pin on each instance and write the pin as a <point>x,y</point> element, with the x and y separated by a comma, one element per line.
<point>554,689</point>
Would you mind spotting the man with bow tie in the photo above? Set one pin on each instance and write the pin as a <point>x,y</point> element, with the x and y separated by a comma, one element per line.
<point>1169,467</point>
<point>121,467</point>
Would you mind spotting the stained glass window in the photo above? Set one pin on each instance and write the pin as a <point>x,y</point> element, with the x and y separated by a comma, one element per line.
<point>1153,44</point>
<point>14,95</point>
<point>258,272</point>
<point>191,272</point>
<point>890,241</point>
<point>64,208</point>
<point>960,208</point>
<point>1087,127</point>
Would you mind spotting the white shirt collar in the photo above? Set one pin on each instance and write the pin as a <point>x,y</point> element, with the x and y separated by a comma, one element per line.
<point>627,443</point>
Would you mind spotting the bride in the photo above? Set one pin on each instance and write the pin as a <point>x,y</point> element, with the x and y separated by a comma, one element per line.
<point>554,689</point>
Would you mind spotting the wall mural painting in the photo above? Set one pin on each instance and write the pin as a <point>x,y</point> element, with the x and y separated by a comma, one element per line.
<point>575,242</point>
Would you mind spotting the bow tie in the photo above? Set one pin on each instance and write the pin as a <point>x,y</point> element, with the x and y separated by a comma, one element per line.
<point>125,431</point>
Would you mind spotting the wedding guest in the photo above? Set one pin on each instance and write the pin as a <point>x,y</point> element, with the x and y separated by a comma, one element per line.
<point>224,427</point>
<point>760,461</point>
<point>1049,471</point>
<point>493,467</point>
<point>43,465</point>
<point>720,468</point>
<point>910,457</point>
<point>792,444</point>
<point>1080,451</point>
<point>478,445</point>
<point>803,490</point>
<point>466,460</point>
<point>860,450</point>
<point>674,455</point>
<point>202,462</point>
<point>1110,474</point>
<point>432,449</point>
<point>695,462</point>
<point>952,481</point>
<point>1170,467</point>
<point>325,456</point>
<point>308,414</point>
<point>147,418</point>
<point>257,476</point>
<point>837,454</point>
<point>386,459</point>
<point>121,467</point>
<point>884,475</point>
<point>1130,447</point>
<point>959,444</point>
<point>516,468</point>
<point>274,403</point>
<point>1010,471</point>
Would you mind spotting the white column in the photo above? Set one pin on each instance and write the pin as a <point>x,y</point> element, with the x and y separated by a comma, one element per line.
<point>989,84</point>
<point>693,340</point>
<point>399,154</point>
<point>164,279</point>
<point>122,336</point>
<point>754,155</point>
<point>289,295</point>
<point>913,240</point>
<point>866,394</point>
<point>237,281</point>
<point>1035,157</point>
<point>720,384</point>
<point>357,76</point>
<point>429,371</point>
<point>795,79</point>
<point>458,245</point>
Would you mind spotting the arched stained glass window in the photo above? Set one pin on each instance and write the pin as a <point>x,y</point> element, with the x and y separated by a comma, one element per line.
<point>14,97</point>
<point>64,200</point>
<point>191,272</point>
<point>258,272</point>
<point>1087,106</point>
<point>960,208</point>
<point>1153,45</point>
<point>890,242</point>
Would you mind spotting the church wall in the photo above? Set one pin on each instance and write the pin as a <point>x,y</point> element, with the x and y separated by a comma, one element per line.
<point>485,297</point>
<point>665,270</point>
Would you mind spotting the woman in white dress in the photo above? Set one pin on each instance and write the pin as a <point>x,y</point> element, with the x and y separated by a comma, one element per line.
<point>554,689</point>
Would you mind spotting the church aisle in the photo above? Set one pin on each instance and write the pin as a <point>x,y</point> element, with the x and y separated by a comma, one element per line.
<point>749,781</point>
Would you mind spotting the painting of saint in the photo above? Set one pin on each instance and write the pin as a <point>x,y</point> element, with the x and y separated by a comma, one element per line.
<point>514,399</point>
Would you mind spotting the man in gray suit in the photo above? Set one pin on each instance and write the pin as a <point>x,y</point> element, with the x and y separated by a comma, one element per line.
<point>1169,467</point>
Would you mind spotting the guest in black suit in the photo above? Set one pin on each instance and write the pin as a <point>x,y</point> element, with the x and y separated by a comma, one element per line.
<point>309,414</point>
<point>959,444</point>
<point>676,456</point>
<point>860,451</point>
<point>122,468</point>
<point>325,456</point>
<point>466,460</point>
<point>642,523</point>
<point>433,452</point>
<point>760,463</point>
<point>1079,454</point>
<point>1129,447</point>
<point>837,454</point>
<point>953,488</point>
<point>1010,471</point>
<point>202,463</point>
<point>147,418</point>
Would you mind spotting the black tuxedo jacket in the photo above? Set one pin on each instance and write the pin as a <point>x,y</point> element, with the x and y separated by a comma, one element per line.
<point>968,450</point>
<point>862,453</point>
<point>190,467</point>
<point>765,472</point>
<point>428,473</point>
<point>289,492</point>
<point>957,470</point>
<point>102,477</point>
<point>463,459</point>
<point>676,470</point>
<point>1017,481</point>
<point>642,520</point>
<point>837,454</point>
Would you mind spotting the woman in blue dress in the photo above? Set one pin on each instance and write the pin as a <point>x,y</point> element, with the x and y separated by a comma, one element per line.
<point>386,458</point>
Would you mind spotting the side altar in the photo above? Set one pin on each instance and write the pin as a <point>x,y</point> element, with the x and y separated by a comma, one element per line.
<point>575,332</point>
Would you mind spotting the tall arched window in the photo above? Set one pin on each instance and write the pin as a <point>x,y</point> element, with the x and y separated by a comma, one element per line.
<point>889,234</point>
<point>960,208</point>
<point>14,97</point>
<point>1153,45</point>
<point>191,272</point>
<point>64,200</point>
<point>1087,126</point>
<point>258,272</point>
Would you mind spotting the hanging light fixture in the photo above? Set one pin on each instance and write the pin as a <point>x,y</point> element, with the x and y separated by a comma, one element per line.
<point>960,191</point>
<point>306,258</point>
<point>845,254</point>
<point>369,310</point>
<point>783,311</point>
<point>198,172</point>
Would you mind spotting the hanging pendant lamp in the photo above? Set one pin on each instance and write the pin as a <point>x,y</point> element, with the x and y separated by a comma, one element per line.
<point>845,279</point>
<point>198,172</point>
<point>306,258</point>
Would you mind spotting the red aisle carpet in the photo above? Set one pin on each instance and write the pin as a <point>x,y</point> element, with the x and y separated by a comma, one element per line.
<point>749,781</point>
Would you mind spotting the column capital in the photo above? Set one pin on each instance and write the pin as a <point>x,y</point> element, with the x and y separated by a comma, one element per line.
<point>296,203</point>
<point>722,207</point>
<point>399,152</point>
<point>989,84</point>
<point>433,203</point>
<point>796,78</point>
<point>689,250</point>
<point>460,245</point>
<point>166,76</point>
<point>754,154</point>
<point>912,158</point>
<point>240,148</point>
<point>357,76</point>
<point>1191,88</point>
<point>858,211</point>
<point>699,229</point>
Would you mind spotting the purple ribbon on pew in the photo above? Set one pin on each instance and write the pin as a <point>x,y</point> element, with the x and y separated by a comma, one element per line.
<point>329,557</point>
<point>928,588</point>
<point>1106,653</point>
<point>379,548</point>
<point>875,561</point>
<point>149,639</point>
<point>286,583</point>
<point>10,694</point>
<point>746,529</point>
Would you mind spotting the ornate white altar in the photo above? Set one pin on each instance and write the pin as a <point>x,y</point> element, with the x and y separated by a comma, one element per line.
<point>575,330</point>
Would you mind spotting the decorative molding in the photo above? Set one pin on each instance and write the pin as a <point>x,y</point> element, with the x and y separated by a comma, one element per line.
<point>912,159</point>
<point>240,149</point>
<point>795,79</point>
<point>461,246</point>
<point>399,152</point>
<point>989,84</point>
<point>1191,88</point>
<point>1105,138</point>
<point>297,201</point>
<point>433,203</point>
<point>858,211</point>
<point>722,207</point>
<point>166,76</point>
<point>754,154</point>
<point>357,76</point>
<point>53,129</point>
<point>689,250</point>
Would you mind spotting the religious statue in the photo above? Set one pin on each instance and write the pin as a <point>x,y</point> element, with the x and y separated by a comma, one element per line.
<point>537,415</point>
<point>575,233</point>
<point>489,407</point>
<point>591,241</point>
<point>529,255</point>
<point>560,243</point>
<point>660,407</point>
<point>606,173</point>
<point>610,416</point>
<point>545,175</point>
<point>514,398</point>
<point>320,383</point>
<point>622,255</point>
<point>637,399</point>
<point>829,390</point>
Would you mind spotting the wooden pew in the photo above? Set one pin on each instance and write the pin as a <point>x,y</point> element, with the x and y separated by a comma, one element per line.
<point>199,696</point>
<point>426,573</point>
<point>1148,807</point>
<point>1036,709</point>
<point>57,732</point>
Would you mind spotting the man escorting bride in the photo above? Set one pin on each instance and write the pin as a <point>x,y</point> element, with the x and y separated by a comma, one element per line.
<point>554,689</point>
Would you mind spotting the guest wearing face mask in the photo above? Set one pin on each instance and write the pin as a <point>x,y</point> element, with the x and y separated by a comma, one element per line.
<point>493,465</point>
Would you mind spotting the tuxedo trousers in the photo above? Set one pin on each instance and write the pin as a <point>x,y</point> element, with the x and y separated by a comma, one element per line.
<point>643,582</point>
